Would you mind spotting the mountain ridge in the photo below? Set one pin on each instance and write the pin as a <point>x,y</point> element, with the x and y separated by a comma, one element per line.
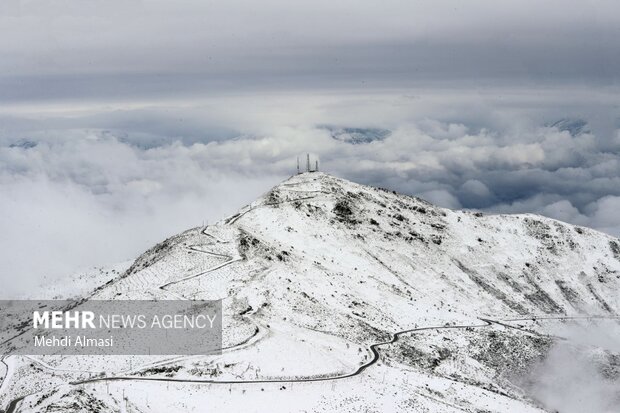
<point>324,280</point>
<point>544,229</point>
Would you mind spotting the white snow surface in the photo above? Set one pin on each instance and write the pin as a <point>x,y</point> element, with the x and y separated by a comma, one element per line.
<point>317,271</point>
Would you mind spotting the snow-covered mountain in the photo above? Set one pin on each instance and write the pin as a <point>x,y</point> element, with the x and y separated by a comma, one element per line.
<point>343,297</point>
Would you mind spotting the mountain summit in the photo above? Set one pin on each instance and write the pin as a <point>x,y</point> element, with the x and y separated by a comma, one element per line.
<point>333,238</point>
<point>339,296</point>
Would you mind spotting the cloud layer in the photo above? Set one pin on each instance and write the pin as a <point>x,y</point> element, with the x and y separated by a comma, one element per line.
<point>74,197</point>
<point>577,374</point>
<point>127,49</point>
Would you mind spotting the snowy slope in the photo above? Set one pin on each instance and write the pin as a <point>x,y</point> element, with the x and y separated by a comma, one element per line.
<point>339,296</point>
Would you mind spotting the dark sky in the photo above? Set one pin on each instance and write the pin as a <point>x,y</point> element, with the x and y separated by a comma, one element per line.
<point>135,50</point>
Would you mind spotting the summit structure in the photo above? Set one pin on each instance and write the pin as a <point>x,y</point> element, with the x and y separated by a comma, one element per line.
<point>308,165</point>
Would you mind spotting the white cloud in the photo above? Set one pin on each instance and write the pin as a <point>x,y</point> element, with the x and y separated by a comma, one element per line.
<point>572,377</point>
<point>150,172</point>
<point>605,214</point>
<point>82,202</point>
<point>442,198</point>
<point>564,211</point>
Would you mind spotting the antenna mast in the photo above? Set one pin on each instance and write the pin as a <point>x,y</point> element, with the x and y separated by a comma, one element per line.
<point>307,162</point>
<point>316,166</point>
<point>298,164</point>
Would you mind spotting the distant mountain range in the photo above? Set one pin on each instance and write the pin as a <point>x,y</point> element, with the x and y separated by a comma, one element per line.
<point>356,136</point>
<point>574,126</point>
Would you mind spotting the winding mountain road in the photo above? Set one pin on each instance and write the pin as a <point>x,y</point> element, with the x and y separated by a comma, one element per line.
<point>374,348</point>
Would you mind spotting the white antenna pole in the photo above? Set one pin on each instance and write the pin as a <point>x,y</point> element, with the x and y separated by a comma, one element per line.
<point>298,164</point>
<point>307,162</point>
